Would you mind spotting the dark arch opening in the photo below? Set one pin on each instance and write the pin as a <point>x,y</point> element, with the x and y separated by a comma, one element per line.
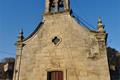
<point>60,5</point>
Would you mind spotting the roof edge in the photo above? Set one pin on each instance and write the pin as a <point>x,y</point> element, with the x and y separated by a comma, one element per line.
<point>35,31</point>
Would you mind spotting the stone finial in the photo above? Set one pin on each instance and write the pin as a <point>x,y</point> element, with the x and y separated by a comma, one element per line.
<point>20,36</point>
<point>19,42</point>
<point>100,25</point>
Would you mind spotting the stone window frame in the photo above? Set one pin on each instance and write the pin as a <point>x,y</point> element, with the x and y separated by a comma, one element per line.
<point>60,40</point>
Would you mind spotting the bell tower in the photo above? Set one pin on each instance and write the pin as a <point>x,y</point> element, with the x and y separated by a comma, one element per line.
<point>56,6</point>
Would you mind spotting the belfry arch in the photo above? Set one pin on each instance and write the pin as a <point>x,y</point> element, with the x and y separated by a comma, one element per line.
<point>55,6</point>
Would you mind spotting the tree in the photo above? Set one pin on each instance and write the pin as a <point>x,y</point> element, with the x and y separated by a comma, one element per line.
<point>8,67</point>
<point>114,63</point>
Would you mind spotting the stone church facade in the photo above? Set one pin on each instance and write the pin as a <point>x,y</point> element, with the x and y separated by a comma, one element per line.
<point>61,49</point>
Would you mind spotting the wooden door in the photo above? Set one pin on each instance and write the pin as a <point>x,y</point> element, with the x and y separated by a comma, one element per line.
<point>55,75</point>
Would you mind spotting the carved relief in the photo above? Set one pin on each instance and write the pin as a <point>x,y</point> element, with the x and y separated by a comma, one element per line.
<point>55,63</point>
<point>93,52</point>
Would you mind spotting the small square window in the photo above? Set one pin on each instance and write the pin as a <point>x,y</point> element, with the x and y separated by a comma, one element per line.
<point>56,40</point>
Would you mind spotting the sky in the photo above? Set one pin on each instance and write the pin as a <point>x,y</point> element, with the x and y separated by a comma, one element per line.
<point>27,14</point>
